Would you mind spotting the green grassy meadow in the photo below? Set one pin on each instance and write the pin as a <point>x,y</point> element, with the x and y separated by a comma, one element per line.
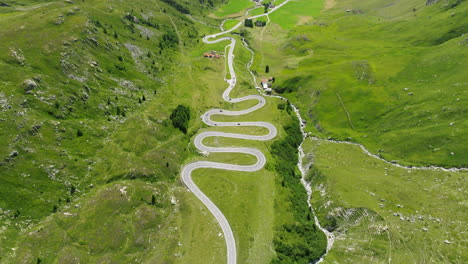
<point>90,165</point>
<point>389,77</point>
<point>230,23</point>
<point>233,8</point>
<point>296,12</point>
<point>108,77</point>
<point>381,213</point>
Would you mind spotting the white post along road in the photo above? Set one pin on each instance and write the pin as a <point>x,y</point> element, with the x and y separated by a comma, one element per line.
<point>198,142</point>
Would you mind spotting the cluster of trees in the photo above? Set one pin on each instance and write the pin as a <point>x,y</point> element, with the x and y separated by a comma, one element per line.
<point>306,244</point>
<point>133,18</point>
<point>285,106</point>
<point>301,242</point>
<point>177,6</point>
<point>260,23</point>
<point>210,2</point>
<point>180,118</point>
<point>266,6</point>
<point>169,40</point>
<point>249,23</point>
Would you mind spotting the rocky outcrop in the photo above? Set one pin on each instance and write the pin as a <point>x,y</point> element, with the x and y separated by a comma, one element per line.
<point>30,85</point>
<point>18,56</point>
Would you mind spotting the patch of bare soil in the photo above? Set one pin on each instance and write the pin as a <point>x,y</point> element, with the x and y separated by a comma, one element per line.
<point>329,4</point>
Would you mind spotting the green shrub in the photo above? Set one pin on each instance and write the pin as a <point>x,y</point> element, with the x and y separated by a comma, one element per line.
<point>248,23</point>
<point>180,118</point>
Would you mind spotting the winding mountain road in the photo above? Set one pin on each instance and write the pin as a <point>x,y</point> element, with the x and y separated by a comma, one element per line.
<point>198,142</point>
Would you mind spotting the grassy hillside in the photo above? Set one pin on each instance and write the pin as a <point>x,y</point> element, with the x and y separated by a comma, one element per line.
<point>380,213</point>
<point>390,76</point>
<point>86,92</point>
<point>91,159</point>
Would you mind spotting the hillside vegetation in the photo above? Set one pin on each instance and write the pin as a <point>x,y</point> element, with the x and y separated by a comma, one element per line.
<point>99,104</point>
<point>380,213</point>
<point>86,93</point>
<point>389,75</point>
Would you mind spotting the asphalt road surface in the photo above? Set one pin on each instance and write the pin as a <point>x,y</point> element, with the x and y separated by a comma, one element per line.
<point>261,160</point>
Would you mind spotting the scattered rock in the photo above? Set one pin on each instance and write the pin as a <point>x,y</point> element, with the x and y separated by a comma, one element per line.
<point>123,190</point>
<point>410,93</point>
<point>405,89</point>
<point>29,85</point>
<point>13,154</point>
<point>59,20</point>
<point>447,242</point>
<point>425,229</point>
<point>73,11</point>
<point>93,40</point>
<point>18,56</point>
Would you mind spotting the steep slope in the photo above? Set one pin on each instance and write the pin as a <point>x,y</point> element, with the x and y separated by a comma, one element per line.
<point>86,93</point>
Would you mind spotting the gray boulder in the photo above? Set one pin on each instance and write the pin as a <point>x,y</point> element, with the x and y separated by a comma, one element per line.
<point>29,85</point>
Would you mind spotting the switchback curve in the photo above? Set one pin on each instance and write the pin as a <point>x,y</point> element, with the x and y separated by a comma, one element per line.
<point>198,142</point>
